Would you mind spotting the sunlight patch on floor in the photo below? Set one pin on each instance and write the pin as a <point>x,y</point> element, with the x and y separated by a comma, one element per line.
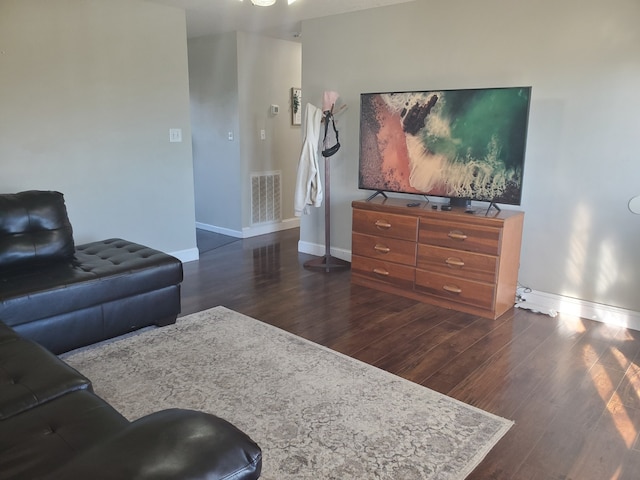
<point>614,403</point>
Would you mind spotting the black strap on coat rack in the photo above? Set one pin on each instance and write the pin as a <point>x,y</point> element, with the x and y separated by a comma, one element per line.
<point>328,262</point>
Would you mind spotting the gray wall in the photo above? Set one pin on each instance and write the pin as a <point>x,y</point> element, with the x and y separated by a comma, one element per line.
<point>234,79</point>
<point>88,92</point>
<point>213,81</point>
<point>582,165</point>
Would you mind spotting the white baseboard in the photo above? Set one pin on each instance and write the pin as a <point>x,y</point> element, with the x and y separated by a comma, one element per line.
<point>550,303</point>
<point>193,254</point>
<point>263,229</point>
<point>254,230</point>
<point>190,255</point>
<point>220,230</point>
<point>318,250</point>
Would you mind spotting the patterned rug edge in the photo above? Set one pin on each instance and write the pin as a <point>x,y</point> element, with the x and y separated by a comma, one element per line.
<point>473,461</point>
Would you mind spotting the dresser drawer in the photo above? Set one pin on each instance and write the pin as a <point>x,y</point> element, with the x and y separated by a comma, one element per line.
<point>459,263</point>
<point>456,289</point>
<point>451,234</point>
<point>382,248</point>
<point>384,272</point>
<point>383,224</point>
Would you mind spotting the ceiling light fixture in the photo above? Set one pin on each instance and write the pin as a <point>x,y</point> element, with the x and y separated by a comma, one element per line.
<point>267,3</point>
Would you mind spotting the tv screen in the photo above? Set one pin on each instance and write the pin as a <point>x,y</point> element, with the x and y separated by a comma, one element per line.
<point>462,144</point>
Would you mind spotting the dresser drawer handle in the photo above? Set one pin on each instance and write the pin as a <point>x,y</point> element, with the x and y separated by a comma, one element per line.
<point>383,225</point>
<point>380,271</point>
<point>456,235</point>
<point>452,289</point>
<point>454,262</point>
<point>381,249</point>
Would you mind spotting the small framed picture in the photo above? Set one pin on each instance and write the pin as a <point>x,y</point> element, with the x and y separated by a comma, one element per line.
<point>296,106</point>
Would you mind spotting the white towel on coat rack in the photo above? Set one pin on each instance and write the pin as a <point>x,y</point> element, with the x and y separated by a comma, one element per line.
<point>308,183</point>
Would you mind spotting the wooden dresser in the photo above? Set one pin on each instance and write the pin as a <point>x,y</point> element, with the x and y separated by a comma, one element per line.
<point>466,262</point>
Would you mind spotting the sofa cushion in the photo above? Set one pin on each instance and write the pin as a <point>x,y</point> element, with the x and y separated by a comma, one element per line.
<point>39,440</point>
<point>173,444</point>
<point>99,272</point>
<point>79,328</point>
<point>34,228</point>
<point>30,376</point>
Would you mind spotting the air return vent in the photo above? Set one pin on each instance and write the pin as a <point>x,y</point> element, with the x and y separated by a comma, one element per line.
<point>265,197</point>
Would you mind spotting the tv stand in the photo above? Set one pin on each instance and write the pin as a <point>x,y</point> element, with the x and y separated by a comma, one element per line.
<point>453,259</point>
<point>375,194</point>
<point>459,202</point>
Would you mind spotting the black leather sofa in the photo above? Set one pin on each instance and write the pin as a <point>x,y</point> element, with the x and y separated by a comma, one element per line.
<point>53,427</point>
<point>65,296</point>
<point>60,296</point>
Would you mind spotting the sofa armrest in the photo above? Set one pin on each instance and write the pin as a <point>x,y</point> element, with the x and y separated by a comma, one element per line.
<point>172,444</point>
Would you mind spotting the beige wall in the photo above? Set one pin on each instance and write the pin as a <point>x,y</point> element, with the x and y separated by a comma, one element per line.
<point>88,92</point>
<point>582,165</point>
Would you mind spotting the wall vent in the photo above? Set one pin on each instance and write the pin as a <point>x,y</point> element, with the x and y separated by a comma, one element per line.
<point>265,197</point>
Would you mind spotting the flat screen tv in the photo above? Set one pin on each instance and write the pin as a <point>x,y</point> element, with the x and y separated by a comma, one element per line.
<point>462,144</point>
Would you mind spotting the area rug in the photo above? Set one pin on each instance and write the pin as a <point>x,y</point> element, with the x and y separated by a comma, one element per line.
<point>317,414</point>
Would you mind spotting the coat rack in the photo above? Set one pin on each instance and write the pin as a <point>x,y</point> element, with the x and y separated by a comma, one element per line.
<point>328,262</point>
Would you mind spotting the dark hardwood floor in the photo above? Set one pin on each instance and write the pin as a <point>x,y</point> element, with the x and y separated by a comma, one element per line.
<point>571,385</point>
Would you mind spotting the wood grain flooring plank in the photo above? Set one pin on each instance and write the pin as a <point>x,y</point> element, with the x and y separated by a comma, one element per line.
<point>571,385</point>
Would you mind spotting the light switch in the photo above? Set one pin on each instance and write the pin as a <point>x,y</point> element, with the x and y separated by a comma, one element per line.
<point>175,135</point>
<point>230,136</point>
<point>263,134</point>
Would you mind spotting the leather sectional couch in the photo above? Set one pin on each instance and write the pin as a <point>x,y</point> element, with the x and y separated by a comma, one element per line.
<point>52,426</point>
<point>65,296</point>
<point>56,296</point>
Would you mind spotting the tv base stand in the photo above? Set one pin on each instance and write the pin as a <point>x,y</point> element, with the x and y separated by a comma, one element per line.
<point>375,194</point>
<point>494,205</point>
